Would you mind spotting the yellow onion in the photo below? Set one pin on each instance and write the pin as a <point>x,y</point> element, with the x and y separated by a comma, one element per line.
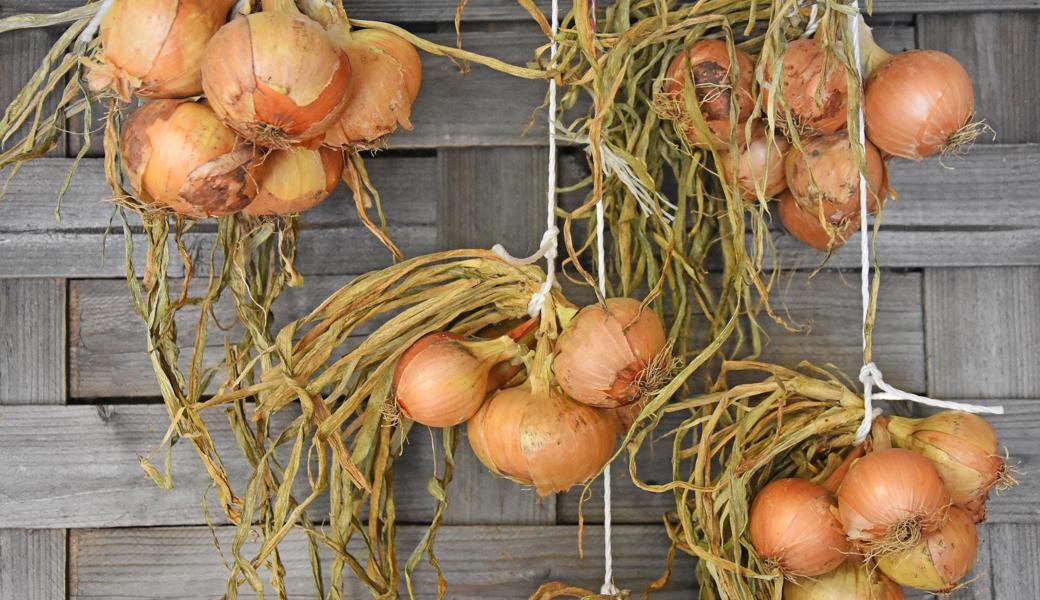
<point>296,180</point>
<point>535,435</point>
<point>850,581</point>
<point>963,448</point>
<point>939,560</point>
<point>442,379</point>
<point>387,74</point>
<point>918,103</point>
<point>154,48</point>
<point>818,99</point>
<point>613,355</point>
<point>178,154</point>
<point>808,228</point>
<point>890,498</point>
<point>793,528</point>
<point>276,78</point>
<point>759,165</point>
<point>710,64</point>
<point>825,174</point>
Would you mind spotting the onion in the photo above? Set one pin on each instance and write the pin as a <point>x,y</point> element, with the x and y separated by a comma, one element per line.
<point>386,80</point>
<point>793,527</point>
<point>296,180</point>
<point>826,173</point>
<point>535,435</point>
<point>940,559</point>
<point>442,379</point>
<point>612,356</point>
<point>178,154</point>
<point>963,448</point>
<point>809,229</point>
<point>759,165</point>
<point>918,103</point>
<point>890,498</point>
<point>850,581</point>
<point>285,89</point>
<point>154,48</point>
<point>818,100</point>
<point>709,62</point>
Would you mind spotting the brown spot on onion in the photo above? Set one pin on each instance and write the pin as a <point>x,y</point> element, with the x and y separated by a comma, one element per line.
<point>817,97</point>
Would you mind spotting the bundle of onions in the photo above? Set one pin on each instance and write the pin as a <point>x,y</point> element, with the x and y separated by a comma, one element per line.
<point>296,180</point>
<point>178,154</point>
<point>811,229</point>
<point>890,499</point>
<point>964,449</point>
<point>276,77</point>
<point>919,103</point>
<point>850,581</point>
<point>611,354</point>
<point>442,379</point>
<point>814,88</point>
<point>154,48</point>
<point>793,527</point>
<point>759,165</point>
<point>939,560</point>
<point>709,62</point>
<point>535,435</point>
<point>825,176</point>
<point>387,75</point>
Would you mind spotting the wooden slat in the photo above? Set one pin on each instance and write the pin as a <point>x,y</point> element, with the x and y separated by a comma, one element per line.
<point>32,564</point>
<point>32,341</point>
<point>479,562</point>
<point>992,47</point>
<point>1012,564</point>
<point>983,332</point>
<point>23,51</point>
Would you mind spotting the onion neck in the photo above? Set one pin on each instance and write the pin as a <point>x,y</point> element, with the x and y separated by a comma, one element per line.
<point>901,429</point>
<point>871,54</point>
<point>288,6</point>
<point>331,15</point>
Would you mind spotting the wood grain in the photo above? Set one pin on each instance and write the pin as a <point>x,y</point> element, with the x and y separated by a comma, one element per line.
<point>32,341</point>
<point>32,564</point>
<point>983,332</point>
<point>23,51</point>
<point>479,562</point>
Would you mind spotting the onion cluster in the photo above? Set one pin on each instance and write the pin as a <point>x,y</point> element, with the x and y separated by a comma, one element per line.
<point>904,515</point>
<point>284,97</point>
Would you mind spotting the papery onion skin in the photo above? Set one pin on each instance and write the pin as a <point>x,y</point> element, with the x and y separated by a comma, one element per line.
<point>964,449</point>
<point>296,180</point>
<point>276,78</point>
<point>890,496</point>
<point>759,164</point>
<point>154,48</point>
<point>916,102</point>
<point>709,61</point>
<point>802,71</point>
<point>537,436</point>
<point>850,581</point>
<point>825,173</point>
<point>792,526</point>
<point>609,357</point>
<point>387,75</point>
<point>940,559</point>
<point>442,379</point>
<point>809,230</point>
<point>178,154</point>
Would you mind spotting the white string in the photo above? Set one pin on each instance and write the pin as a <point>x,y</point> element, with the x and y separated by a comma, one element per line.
<point>870,374</point>
<point>88,33</point>
<point>549,246</point>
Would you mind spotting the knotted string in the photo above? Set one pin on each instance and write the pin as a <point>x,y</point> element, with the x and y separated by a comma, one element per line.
<point>870,374</point>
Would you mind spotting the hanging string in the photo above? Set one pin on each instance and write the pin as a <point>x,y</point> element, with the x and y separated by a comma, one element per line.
<point>870,374</point>
<point>549,246</point>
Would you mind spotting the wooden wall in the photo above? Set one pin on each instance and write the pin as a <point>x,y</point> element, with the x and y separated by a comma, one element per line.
<point>958,319</point>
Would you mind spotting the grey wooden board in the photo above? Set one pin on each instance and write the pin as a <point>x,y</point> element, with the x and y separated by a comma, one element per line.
<point>32,341</point>
<point>479,562</point>
<point>992,47</point>
<point>983,332</point>
<point>32,564</point>
<point>23,51</point>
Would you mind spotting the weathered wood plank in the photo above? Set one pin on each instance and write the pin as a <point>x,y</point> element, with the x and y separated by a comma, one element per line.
<point>23,51</point>
<point>478,562</point>
<point>983,332</point>
<point>992,47</point>
<point>32,564</point>
<point>1012,565</point>
<point>32,341</point>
